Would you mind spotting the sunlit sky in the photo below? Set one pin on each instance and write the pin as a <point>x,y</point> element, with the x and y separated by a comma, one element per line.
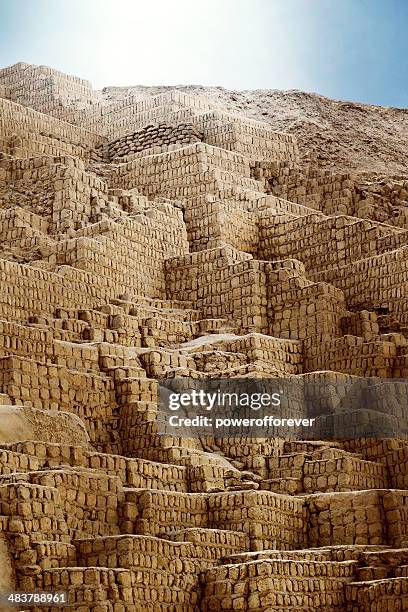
<point>345,49</point>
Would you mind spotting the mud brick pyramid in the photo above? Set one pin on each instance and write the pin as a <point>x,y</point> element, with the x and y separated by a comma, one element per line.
<point>144,238</point>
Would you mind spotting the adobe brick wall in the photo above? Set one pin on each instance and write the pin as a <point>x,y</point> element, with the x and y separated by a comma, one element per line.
<point>148,238</point>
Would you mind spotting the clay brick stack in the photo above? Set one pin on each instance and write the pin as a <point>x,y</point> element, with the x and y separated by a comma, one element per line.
<point>151,139</point>
<point>150,238</point>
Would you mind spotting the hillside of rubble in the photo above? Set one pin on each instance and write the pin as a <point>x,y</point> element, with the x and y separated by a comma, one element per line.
<point>342,136</point>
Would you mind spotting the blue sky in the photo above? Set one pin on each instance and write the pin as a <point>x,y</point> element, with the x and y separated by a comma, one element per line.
<point>345,49</point>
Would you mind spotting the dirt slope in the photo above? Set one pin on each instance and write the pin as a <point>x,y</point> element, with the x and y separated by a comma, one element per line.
<point>343,135</point>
